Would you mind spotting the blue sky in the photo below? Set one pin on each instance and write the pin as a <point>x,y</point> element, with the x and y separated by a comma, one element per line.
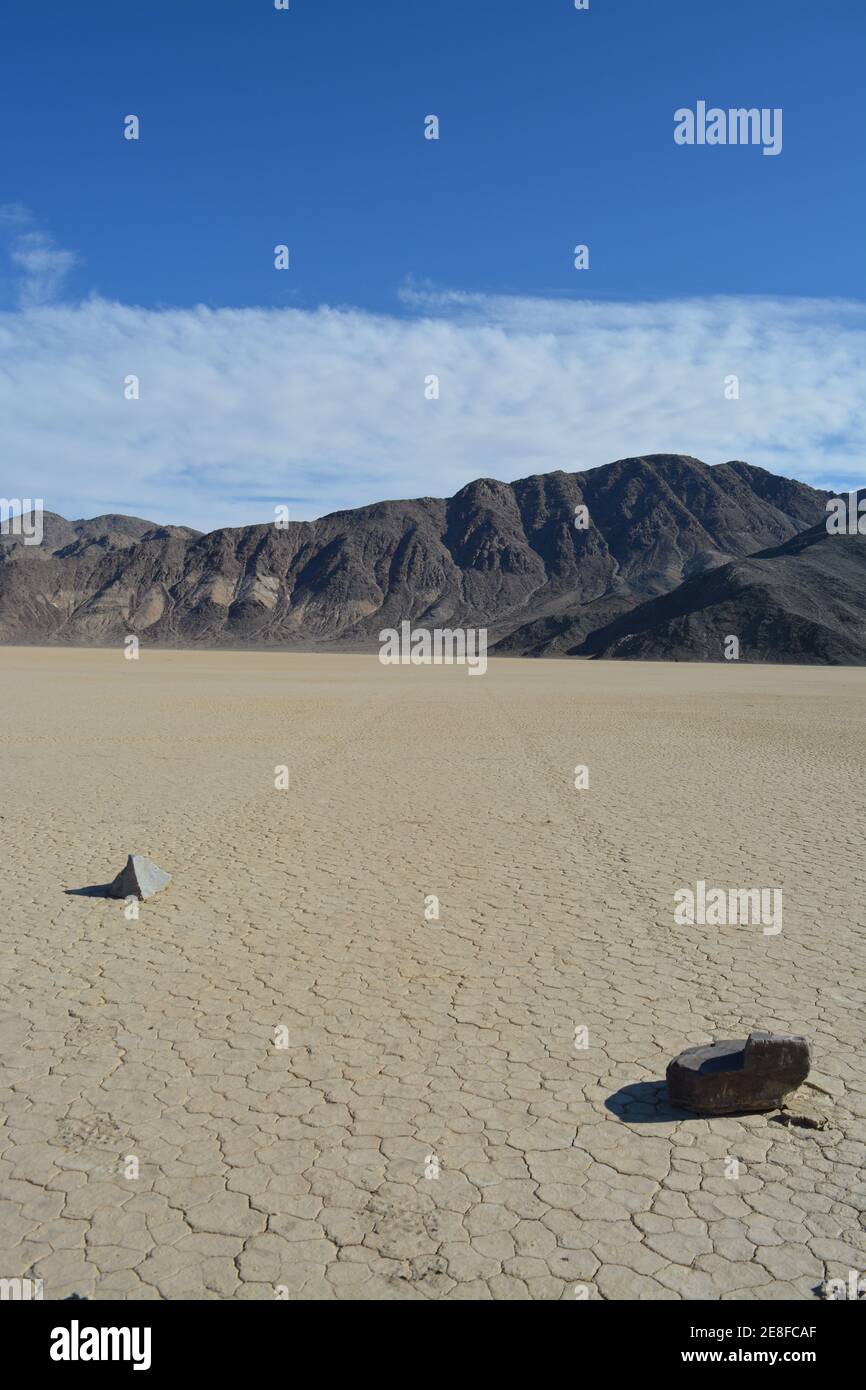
<point>306,127</point>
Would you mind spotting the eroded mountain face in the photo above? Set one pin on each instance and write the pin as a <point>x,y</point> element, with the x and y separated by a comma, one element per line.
<point>800,602</point>
<point>504,556</point>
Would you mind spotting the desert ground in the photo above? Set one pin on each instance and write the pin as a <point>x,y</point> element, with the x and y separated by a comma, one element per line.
<point>431,1129</point>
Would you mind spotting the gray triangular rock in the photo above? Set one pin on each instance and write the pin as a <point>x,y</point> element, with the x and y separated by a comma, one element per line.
<point>141,878</point>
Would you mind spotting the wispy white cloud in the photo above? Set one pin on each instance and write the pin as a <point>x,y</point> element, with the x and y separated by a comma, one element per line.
<point>40,266</point>
<point>241,409</point>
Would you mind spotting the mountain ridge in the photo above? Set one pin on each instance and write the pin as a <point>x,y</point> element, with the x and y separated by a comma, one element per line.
<point>811,591</point>
<point>506,556</point>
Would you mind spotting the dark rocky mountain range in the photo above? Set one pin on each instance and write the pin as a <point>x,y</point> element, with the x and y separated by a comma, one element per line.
<point>804,601</point>
<point>673,549</point>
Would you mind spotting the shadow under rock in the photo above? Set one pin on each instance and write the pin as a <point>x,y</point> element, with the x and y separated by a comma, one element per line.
<point>95,890</point>
<point>646,1103</point>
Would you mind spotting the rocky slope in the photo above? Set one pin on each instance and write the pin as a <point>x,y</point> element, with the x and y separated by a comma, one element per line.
<point>801,602</point>
<point>504,556</point>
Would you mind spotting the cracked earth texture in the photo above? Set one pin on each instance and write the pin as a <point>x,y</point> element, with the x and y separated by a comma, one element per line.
<point>300,1172</point>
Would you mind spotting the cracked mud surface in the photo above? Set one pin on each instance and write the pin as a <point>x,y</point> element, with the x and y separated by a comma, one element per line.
<point>301,1171</point>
